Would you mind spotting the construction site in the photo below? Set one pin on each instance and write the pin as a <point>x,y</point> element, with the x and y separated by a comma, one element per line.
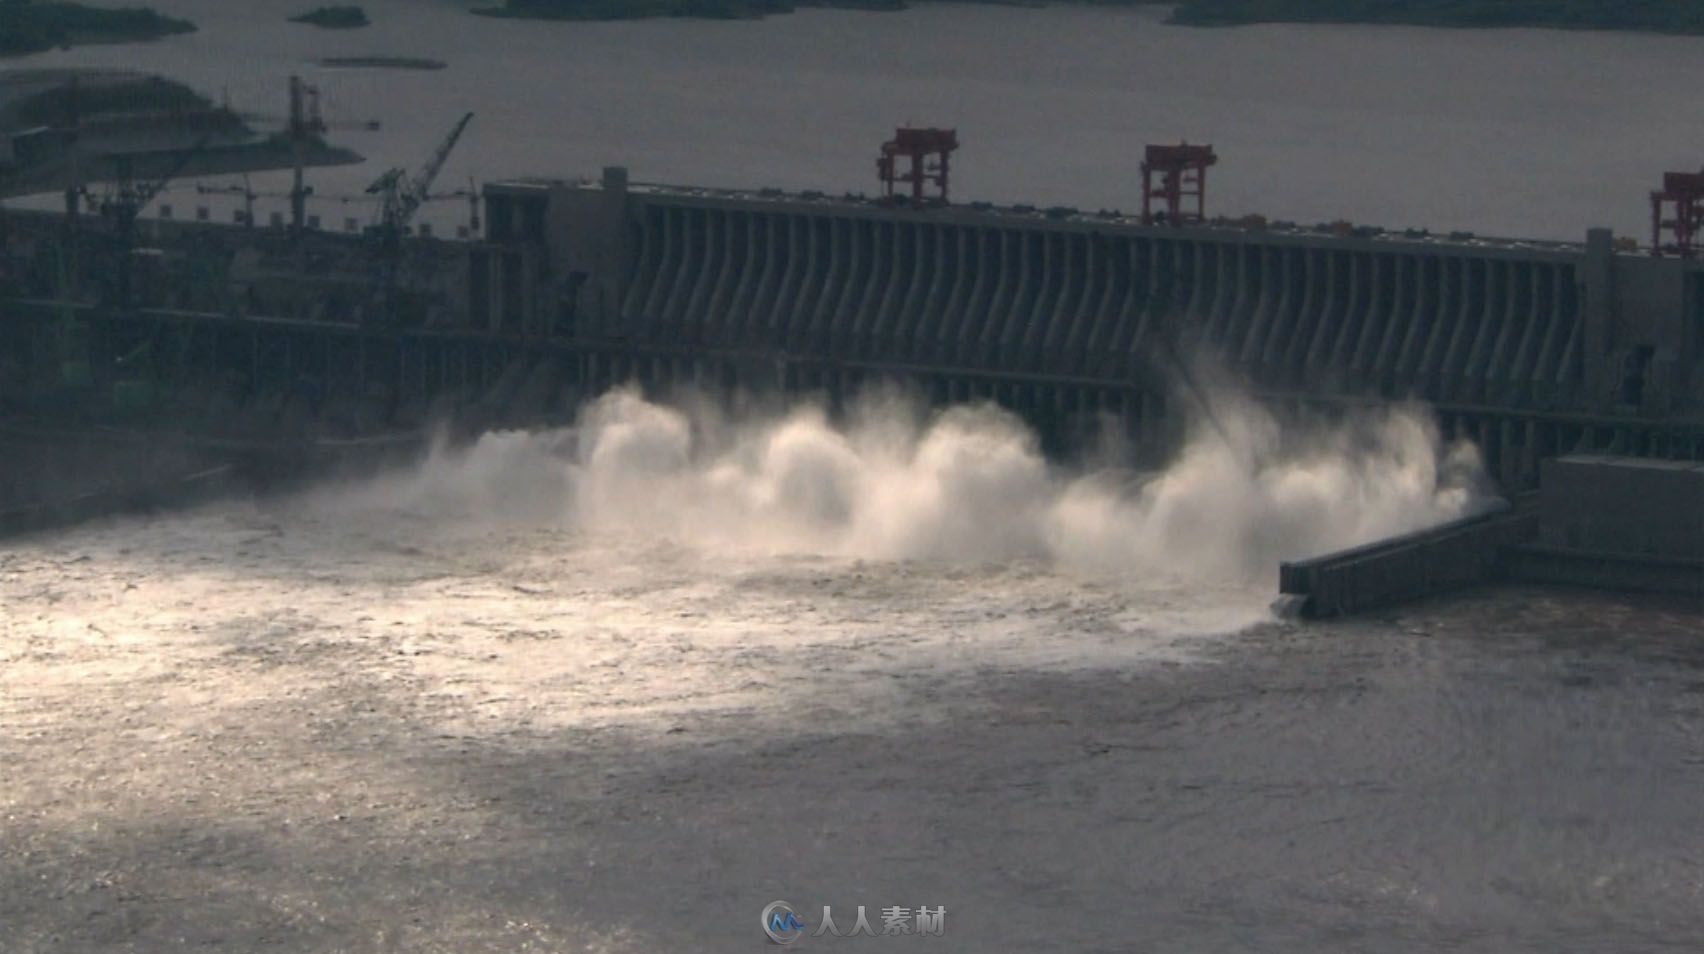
<point>278,345</point>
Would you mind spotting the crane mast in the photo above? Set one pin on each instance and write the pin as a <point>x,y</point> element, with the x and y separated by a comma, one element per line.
<point>401,196</point>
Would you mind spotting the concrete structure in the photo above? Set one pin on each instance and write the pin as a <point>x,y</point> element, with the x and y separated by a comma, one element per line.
<point>1506,338</point>
<point>1530,349</point>
<point>1623,506</point>
<point>1612,522</point>
<point>1410,566</point>
<point>1535,563</point>
<point>1534,350</point>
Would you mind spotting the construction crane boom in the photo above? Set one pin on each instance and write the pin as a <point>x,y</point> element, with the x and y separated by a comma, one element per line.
<point>304,126</point>
<point>429,174</point>
<point>129,197</point>
<point>125,202</point>
<point>402,196</point>
<point>399,198</point>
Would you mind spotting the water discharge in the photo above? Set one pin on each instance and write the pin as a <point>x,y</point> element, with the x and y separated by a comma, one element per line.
<point>891,480</point>
<point>891,655</point>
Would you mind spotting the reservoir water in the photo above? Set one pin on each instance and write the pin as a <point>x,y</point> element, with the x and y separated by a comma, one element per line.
<point>1528,133</point>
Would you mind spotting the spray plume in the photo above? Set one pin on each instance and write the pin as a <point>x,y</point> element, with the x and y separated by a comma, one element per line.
<point>969,483</point>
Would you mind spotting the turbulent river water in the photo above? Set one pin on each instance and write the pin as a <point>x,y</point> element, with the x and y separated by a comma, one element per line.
<point>617,687</point>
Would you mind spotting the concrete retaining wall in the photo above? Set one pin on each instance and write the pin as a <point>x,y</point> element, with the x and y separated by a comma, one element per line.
<point>1623,505</point>
<point>1411,566</point>
<point>1611,571</point>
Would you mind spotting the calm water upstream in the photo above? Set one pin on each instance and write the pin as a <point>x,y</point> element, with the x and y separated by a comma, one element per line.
<point>1508,132</point>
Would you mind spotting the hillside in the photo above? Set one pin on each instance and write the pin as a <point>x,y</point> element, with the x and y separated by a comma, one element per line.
<point>1670,16</point>
<point>30,27</point>
<point>637,9</point>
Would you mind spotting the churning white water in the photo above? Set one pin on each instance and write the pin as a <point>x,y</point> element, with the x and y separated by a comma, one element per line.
<point>616,687</point>
<point>967,484</point>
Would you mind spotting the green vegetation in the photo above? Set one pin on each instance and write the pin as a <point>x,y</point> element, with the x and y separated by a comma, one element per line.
<point>334,18</point>
<point>1672,16</point>
<point>30,27</point>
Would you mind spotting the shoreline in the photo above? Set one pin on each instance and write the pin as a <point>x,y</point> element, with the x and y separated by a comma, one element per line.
<point>64,25</point>
<point>30,28</point>
<point>1183,14</point>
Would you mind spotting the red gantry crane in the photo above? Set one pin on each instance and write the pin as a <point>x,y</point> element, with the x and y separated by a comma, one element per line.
<point>927,152</point>
<point>1181,172</point>
<point>1684,191</point>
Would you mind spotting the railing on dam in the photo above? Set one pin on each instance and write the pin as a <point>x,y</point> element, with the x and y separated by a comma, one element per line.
<point>1079,298</point>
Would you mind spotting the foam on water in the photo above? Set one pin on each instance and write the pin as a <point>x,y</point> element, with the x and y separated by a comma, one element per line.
<point>657,563</point>
<point>965,484</point>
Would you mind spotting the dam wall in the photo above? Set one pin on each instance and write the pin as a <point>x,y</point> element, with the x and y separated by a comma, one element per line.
<point>1455,321</point>
<point>1602,521</point>
<point>1410,566</point>
<point>1072,319</point>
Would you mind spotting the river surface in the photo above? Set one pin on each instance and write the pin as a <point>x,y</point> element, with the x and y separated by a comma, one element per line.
<point>615,693</point>
<point>619,687</point>
<point>1530,133</point>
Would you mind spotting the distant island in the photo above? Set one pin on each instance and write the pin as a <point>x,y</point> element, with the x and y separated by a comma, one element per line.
<point>334,18</point>
<point>638,9</point>
<point>1678,16</point>
<point>381,63</point>
<point>30,27</point>
<point>119,112</point>
<point>47,98</point>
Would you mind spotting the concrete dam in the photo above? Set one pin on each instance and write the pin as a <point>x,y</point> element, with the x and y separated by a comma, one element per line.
<point>224,352</point>
<point>1532,348</point>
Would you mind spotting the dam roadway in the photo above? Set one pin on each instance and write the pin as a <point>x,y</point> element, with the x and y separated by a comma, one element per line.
<point>1532,349</point>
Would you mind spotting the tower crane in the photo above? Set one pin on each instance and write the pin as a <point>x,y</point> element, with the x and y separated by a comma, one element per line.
<point>245,191</point>
<point>303,126</point>
<point>471,195</point>
<point>127,197</point>
<point>400,197</point>
<point>306,124</point>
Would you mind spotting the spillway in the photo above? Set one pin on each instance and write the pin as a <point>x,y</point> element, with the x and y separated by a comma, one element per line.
<point>1532,349</point>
